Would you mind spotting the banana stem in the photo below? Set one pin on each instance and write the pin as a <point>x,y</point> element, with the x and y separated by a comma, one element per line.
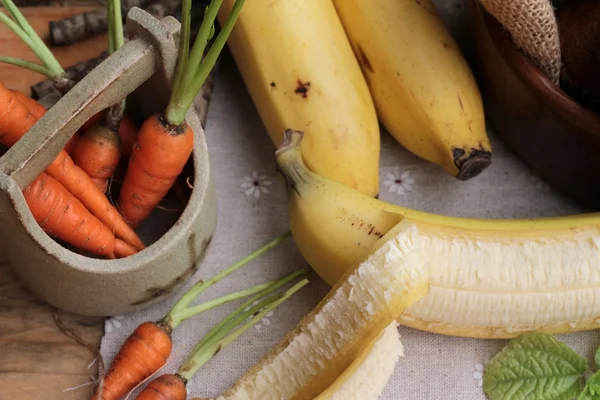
<point>201,286</point>
<point>213,346</point>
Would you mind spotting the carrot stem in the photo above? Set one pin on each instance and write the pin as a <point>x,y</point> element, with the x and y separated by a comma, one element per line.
<point>13,26</point>
<point>210,16</point>
<point>40,69</point>
<point>117,23</point>
<point>213,53</point>
<point>201,286</point>
<point>198,66</point>
<point>205,353</point>
<point>36,44</point>
<point>246,307</point>
<point>189,312</point>
<point>116,40</point>
<point>184,45</point>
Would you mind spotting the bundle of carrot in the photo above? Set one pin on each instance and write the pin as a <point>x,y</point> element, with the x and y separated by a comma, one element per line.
<point>165,141</point>
<point>64,200</point>
<point>148,348</point>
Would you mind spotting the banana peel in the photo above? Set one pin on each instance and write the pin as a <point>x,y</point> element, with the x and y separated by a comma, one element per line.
<point>332,336</point>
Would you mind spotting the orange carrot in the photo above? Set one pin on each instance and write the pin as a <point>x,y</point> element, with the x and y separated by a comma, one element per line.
<point>94,119</point>
<point>128,134</point>
<point>15,121</point>
<point>32,105</point>
<point>165,387</point>
<point>165,141</point>
<point>157,158</point>
<point>71,143</point>
<point>98,152</point>
<point>61,215</point>
<point>142,354</point>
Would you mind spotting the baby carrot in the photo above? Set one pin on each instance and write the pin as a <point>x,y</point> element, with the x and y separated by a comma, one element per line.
<point>165,141</point>
<point>33,106</point>
<point>98,152</point>
<point>61,215</point>
<point>149,346</point>
<point>15,121</point>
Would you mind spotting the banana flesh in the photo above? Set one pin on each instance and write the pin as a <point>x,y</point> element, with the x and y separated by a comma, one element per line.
<point>489,278</point>
<point>333,334</point>
<point>301,73</point>
<point>368,375</point>
<point>424,91</point>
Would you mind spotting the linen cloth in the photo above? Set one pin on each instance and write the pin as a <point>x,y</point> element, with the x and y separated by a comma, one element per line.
<point>249,215</point>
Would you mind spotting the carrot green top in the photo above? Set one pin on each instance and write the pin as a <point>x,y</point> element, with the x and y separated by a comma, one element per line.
<point>193,68</point>
<point>17,23</point>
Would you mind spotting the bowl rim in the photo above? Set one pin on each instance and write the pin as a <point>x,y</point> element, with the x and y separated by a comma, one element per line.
<point>546,90</point>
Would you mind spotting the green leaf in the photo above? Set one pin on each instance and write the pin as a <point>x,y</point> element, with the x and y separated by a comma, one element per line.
<point>535,367</point>
<point>592,387</point>
<point>597,358</point>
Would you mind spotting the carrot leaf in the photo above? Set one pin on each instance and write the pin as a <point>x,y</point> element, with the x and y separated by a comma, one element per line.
<point>184,45</point>
<point>33,41</point>
<point>40,69</point>
<point>189,312</point>
<point>228,322</point>
<point>220,340</point>
<point>201,286</point>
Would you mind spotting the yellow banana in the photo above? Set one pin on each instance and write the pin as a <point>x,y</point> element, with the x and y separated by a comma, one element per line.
<point>301,73</point>
<point>489,278</point>
<point>423,89</point>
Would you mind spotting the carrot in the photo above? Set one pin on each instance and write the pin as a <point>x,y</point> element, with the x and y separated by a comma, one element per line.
<point>128,135</point>
<point>61,215</point>
<point>142,354</point>
<point>157,158</point>
<point>71,143</point>
<point>147,349</point>
<point>94,119</point>
<point>165,141</point>
<point>15,121</point>
<point>98,152</point>
<point>165,387</point>
<point>39,111</point>
<point>32,105</point>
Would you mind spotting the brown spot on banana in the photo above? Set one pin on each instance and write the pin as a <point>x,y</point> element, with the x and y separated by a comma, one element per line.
<point>302,88</point>
<point>362,59</point>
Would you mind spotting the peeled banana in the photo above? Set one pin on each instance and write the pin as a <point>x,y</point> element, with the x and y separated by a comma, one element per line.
<point>489,278</point>
<point>423,89</point>
<point>301,73</point>
<point>370,372</point>
<point>354,313</point>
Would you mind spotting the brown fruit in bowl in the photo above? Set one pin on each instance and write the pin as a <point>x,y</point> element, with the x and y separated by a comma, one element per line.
<point>579,27</point>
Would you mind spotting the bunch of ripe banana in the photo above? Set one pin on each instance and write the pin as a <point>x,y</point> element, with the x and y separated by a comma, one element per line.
<point>454,276</point>
<point>331,68</point>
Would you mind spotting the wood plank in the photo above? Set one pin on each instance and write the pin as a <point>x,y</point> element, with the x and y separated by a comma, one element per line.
<point>37,360</point>
<point>38,17</point>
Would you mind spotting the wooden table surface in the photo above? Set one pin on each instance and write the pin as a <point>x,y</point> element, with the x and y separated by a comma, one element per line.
<point>37,360</point>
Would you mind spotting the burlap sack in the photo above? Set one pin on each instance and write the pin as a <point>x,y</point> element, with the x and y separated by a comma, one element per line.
<point>533,27</point>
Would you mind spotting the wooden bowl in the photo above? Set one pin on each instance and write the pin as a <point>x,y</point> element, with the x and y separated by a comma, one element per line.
<point>140,71</point>
<point>551,132</point>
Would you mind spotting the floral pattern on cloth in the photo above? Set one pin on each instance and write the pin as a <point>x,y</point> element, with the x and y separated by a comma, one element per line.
<point>252,206</point>
<point>256,185</point>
